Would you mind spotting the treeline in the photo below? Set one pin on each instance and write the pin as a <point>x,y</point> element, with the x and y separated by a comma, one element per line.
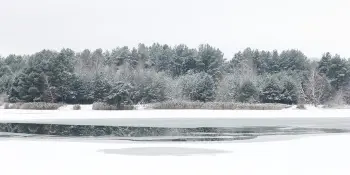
<point>157,73</point>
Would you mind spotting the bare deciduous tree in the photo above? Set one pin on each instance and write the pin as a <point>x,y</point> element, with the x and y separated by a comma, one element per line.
<point>317,87</point>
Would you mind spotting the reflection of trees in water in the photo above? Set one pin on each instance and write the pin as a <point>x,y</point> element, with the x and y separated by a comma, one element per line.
<point>159,134</point>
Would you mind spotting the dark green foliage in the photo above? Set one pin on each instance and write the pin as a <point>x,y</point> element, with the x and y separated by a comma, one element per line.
<point>185,60</point>
<point>80,92</point>
<point>161,57</point>
<point>247,92</point>
<point>5,83</point>
<point>198,87</point>
<point>271,92</point>
<point>279,89</point>
<point>126,76</point>
<point>293,60</point>
<point>261,62</point>
<point>338,72</point>
<point>210,60</point>
<point>27,87</point>
<point>61,74</point>
<point>9,67</point>
<point>119,56</point>
<point>336,69</point>
<point>324,63</point>
<point>101,88</point>
<point>289,94</point>
<point>47,77</point>
<point>120,95</point>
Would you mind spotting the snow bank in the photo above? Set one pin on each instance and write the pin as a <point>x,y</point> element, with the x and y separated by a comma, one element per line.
<point>318,155</point>
<point>333,118</point>
<point>83,114</point>
<point>70,107</point>
<point>307,107</point>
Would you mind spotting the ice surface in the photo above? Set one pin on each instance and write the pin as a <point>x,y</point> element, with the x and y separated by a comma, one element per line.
<point>318,155</point>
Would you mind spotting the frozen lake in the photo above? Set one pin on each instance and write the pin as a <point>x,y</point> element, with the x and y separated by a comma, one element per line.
<point>174,125</point>
<point>289,150</point>
<point>321,155</point>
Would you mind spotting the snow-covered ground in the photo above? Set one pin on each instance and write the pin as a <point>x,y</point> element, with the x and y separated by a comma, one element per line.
<point>70,107</point>
<point>317,155</point>
<point>334,118</point>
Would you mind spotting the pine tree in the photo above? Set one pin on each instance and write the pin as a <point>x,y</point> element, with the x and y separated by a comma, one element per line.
<point>101,88</point>
<point>247,92</point>
<point>210,60</point>
<point>119,95</point>
<point>324,64</point>
<point>289,93</point>
<point>271,91</point>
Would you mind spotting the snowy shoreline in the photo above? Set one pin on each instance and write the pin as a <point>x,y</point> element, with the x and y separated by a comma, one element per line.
<point>339,118</point>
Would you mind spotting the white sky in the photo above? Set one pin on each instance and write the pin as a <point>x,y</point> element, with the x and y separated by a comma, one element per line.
<point>312,26</point>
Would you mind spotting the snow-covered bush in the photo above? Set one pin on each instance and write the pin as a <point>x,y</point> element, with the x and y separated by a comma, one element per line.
<point>120,95</point>
<point>148,86</point>
<point>301,106</point>
<point>198,87</point>
<point>247,92</point>
<point>3,99</point>
<point>173,90</point>
<point>227,89</point>
<point>41,106</point>
<point>76,107</point>
<point>6,106</point>
<point>33,106</point>
<point>105,106</point>
<point>216,105</point>
<point>13,105</point>
<point>177,104</point>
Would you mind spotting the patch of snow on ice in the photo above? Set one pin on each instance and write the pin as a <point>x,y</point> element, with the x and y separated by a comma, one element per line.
<point>319,155</point>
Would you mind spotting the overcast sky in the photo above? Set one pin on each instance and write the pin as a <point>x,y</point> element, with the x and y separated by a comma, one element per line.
<point>312,26</point>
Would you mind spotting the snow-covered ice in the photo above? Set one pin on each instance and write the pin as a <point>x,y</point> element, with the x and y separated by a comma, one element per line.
<point>317,155</point>
<point>339,118</point>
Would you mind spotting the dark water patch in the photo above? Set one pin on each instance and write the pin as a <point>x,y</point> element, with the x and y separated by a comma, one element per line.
<point>153,133</point>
